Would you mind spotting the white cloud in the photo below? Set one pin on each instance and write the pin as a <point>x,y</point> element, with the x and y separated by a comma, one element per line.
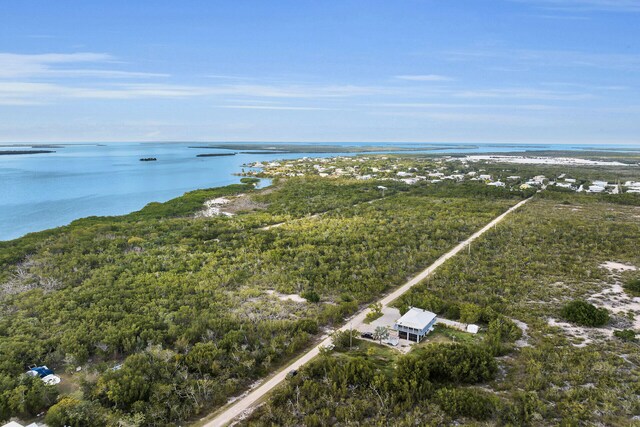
<point>25,93</point>
<point>424,78</point>
<point>459,106</point>
<point>468,118</point>
<point>551,58</point>
<point>275,107</point>
<point>587,5</point>
<point>23,66</point>
<point>524,93</point>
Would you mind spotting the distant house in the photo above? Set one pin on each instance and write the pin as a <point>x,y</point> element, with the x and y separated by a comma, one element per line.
<point>17,424</point>
<point>415,324</point>
<point>564,185</point>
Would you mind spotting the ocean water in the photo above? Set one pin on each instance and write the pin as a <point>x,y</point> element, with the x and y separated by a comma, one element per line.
<point>42,191</point>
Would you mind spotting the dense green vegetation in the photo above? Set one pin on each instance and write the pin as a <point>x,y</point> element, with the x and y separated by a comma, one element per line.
<point>169,315</point>
<point>584,313</point>
<point>374,385</point>
<point>540,259</point>
<point>633,286</point>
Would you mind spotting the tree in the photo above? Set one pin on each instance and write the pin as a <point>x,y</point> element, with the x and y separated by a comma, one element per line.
<point>343,339</point>
<point>73,412</point>
<point>380,333</point>
<point>375,312</point>
<point>470,313</point>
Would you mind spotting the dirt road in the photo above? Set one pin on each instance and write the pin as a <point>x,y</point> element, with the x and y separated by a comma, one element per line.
<point>245,403</point>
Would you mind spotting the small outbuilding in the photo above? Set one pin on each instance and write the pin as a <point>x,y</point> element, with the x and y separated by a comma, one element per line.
<point>415,324</point>
<point>473,329</point>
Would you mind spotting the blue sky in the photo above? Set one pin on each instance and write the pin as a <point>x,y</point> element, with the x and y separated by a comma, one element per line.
<point>548,71</point>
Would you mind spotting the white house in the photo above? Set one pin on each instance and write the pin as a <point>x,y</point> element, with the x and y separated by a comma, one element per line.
<point>415,324</point>
<point>596,189</point>
<point>17,424</point>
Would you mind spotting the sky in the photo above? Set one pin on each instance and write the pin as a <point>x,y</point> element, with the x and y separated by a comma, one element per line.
<point>504,71</point>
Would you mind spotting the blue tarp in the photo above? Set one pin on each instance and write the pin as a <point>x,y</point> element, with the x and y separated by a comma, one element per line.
<point>42,371</point>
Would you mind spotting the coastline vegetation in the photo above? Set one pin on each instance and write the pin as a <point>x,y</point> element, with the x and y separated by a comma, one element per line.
<point>168,315</point>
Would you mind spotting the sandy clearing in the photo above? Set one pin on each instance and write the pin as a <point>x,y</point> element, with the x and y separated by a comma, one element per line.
<point>213,208</point>
<point>290,297</point>
<point>524,341</point>
<point>574,331</point>
<point>613,266</point>
<point>543,160</point>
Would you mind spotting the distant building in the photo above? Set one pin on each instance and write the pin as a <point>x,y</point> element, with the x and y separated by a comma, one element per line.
<point>473,329</point>
<point>415,324</point>
<point>564,185</point>
<point>16,424</point>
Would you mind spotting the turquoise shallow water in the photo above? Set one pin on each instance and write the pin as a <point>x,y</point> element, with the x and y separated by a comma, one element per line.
<point>41,191</point>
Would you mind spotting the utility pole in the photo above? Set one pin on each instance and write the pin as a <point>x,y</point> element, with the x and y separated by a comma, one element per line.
<point>350,335</point>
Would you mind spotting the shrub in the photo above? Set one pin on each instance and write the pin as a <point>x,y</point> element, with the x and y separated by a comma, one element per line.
<point>343,339</point>
<point>70,411</point>
<point>376,312</point>
<point>311,296</point>
<point>633,285</point>
<point>585,314</point>
<point>504,329</point>
<point>467,402</point>
<point>249,180</point>
<point>458,363</point>
<point>470,313</point>
<point>626,334</point>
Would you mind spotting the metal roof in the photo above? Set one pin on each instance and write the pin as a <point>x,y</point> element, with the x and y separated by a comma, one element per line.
<point>416,318</point>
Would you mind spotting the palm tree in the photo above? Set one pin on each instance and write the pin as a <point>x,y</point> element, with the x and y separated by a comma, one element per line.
<point>381,333</point>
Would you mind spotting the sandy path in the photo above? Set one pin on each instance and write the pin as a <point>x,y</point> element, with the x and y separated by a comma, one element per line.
<point>243,406</point>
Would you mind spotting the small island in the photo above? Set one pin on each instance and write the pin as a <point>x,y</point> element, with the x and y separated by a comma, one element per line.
<point>148,159</point>
<point>19,152</point>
